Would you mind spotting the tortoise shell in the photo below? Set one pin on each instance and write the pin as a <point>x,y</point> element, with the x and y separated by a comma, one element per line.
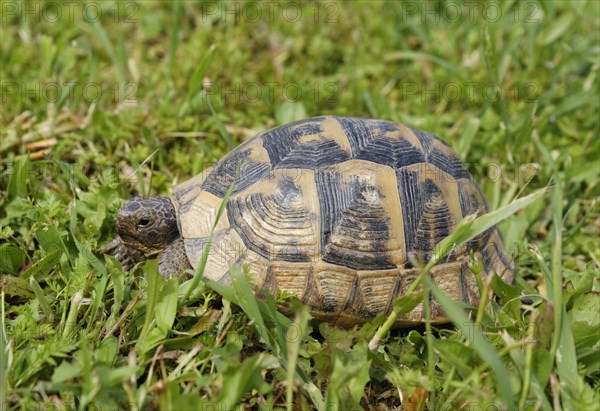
<point>333,209</point>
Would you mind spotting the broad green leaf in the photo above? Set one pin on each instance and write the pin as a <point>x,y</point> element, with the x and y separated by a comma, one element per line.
<point>107,350</point>
<point>509,295</point>
<point>407,303</point>
<point>41,269</point>
<point>16,287</point>
<point>12,259</point>
<point>17,182</point>
<point>566,356</point>
<point>294,336</point>
<point>154,284</point>
<point>39,295</point>
<point>166,307</point>
<point>348,379</point>
<point>585,320</point>
<point>50,238</point>
<point>457,354</point>
<point>247,301</point>
<point>153,339</point>
<point>66,371</point>
<point>542,363</point>
<point>171,398</point>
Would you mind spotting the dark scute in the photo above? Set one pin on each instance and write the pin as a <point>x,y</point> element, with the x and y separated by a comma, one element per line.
<point>236,166</point>
<point>369,141</point>
<point>411,198</point>
<point>346,216</point>
<point>504,257</point>
<point>426,215</point>
<point>449,163</point>
<point>287,151</point>
<point>425,138</point>
<point>430,189</point>
<point>435,223</point>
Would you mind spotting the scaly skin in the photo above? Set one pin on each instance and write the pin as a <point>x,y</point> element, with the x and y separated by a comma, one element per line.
<point>147,226</point>
<point>174,261</point>
<point>127,256</point>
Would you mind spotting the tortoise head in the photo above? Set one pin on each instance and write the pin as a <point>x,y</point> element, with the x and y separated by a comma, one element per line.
<point>148,224</point>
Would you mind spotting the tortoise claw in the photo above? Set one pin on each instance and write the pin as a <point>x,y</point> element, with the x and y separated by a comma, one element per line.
<point>127,256</point>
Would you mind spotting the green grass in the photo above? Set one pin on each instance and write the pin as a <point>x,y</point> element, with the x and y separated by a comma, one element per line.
<point>77,332</point>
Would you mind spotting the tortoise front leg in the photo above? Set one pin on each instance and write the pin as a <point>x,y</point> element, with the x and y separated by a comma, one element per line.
<point>173,261</point>
<point>127,256</point>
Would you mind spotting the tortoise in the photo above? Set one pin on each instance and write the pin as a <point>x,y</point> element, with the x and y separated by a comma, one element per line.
<point>335,210</point>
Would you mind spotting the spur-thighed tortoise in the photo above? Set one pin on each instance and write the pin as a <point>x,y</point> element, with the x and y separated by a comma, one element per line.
<point>329,208</point>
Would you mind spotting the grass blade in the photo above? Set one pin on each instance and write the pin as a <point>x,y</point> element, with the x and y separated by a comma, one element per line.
<point>294,337</point>
<point>153,290</point>
<point>489,49</point>
<point>418,57</point>
<point>3,354</point>
<point>464,144</point>
<point>220,125</point>
<point>174,30</point>
<point>198,77</point>
<point>403,305</point>
<point>480,344</point>
<point>566,355</point>
<point>471,227</point>
<point>39,294</point>
<point>247,301</point>
<point>101,35</point>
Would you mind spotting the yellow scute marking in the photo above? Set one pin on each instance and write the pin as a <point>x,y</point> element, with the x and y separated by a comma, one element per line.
<point>333,130</point>
<point>197,222</point>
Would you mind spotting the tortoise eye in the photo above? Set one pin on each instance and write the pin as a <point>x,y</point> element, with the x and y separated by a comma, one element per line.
<point>143,223</point>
